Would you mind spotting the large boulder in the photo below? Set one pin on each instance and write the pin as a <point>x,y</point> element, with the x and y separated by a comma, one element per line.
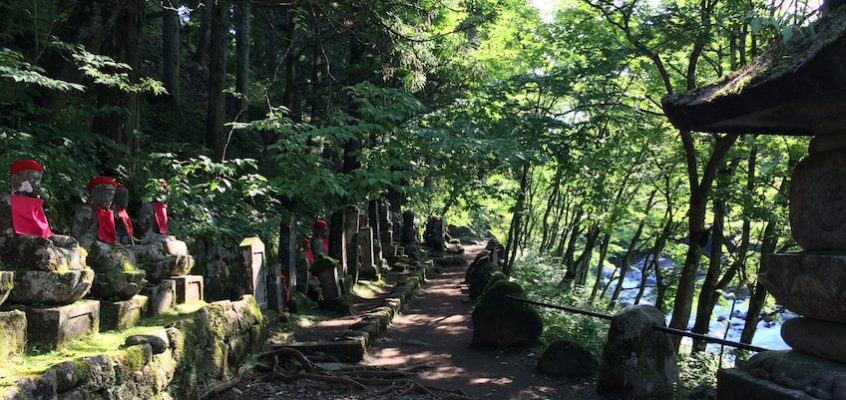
<point>638,362</point>
<point>498,321</point>
<point>476,262</point>
<point>566,358</point>
<point>463,233</point>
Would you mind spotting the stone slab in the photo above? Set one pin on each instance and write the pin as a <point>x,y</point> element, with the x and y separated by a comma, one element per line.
<point>253,258</point>
<point>734,384</point>
<point>189,288</point>
<point>122,315</point>
<point>783,375</point>
<point>12,334</point>
<point>808,284</point>
<point>160,297</point>
<point>55,326</point>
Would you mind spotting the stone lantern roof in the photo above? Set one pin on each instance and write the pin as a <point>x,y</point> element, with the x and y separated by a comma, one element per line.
<point>795,88</point>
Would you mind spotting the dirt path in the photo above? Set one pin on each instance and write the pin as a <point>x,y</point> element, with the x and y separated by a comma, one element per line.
<point>436,331</point>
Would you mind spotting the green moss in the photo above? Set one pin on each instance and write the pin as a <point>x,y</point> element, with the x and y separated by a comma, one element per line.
<point>250,241</point>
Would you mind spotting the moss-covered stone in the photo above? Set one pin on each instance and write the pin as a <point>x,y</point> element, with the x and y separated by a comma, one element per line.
<point>12,334</point>
<point>498,321</point>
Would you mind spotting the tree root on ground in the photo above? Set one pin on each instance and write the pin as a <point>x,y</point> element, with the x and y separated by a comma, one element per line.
<point>356,378</point>
<point>224,386</point>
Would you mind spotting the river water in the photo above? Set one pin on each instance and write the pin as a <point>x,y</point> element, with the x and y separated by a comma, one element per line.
<point>767,335</point>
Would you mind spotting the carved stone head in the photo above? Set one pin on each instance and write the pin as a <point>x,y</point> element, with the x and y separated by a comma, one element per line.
<point>102,196</point>
<point>26,183</point>
<point>320,228</point>
<point>121,199</point>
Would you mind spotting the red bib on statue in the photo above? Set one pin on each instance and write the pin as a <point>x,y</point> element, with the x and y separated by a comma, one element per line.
<point>28,217</point>
<point>160,212</point>
<point>106,226</point>
<point>127,223</point>
<point>325,244</point>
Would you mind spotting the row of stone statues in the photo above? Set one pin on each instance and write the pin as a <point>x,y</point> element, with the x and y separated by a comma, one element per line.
<point>105,255</point>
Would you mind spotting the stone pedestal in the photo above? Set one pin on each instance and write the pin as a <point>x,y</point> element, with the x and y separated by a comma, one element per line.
<point>368,270</point>
<point>253,259</point>
<point>122,315</point>
<point>783,375</point>
<point>189,288</point>
<point>326,269</point>
<point>160,297</point>
<point>409,232</point>
<point>55,326</point>
<point>12,334</point>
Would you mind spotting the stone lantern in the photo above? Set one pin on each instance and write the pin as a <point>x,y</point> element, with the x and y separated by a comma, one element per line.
<point>795,88</point>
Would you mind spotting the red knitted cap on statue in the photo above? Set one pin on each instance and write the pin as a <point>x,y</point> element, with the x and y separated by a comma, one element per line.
<point>101,180</point>
<point>320,224</point>
<point>24,165</point>
<point>436,219</point>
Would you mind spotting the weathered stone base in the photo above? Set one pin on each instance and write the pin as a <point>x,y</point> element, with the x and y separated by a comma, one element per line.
<point>189,288</point>
<point>180,362</point>
<point>160,297</point>
<point>12,334</point>
<point>808,284</point>
<point>122,315</point>
<point>783,375</point>
<point>46,287</point>
<point>55,326</point>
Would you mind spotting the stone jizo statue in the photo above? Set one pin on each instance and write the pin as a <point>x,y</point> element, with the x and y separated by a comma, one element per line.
<point>49,268</point>
<point>320,238</point>
<point>94,227</point>
<point>160,254</point>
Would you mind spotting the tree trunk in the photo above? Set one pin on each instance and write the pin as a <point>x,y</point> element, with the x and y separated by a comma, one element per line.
<point>759,295</point>
<point>707,293</point>
<point>242,55</point>
<point>699,189</point>
<point>201,55</point>
<point>215,133</point>
<point>170,56</point>
<point>119,110</point>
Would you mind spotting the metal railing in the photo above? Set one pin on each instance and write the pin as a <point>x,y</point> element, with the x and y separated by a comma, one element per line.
<point>672,331</point>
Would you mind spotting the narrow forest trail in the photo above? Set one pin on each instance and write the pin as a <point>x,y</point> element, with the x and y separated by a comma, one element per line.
<point>436,331</point>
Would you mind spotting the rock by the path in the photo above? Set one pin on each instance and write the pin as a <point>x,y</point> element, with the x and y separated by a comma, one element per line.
<point>566,358</point>
<point>476,262</point>
<point>496,277</point>
<point>498,321</point>
<point>480,276</point>
<point>638,362</point>
<point>463,233</point>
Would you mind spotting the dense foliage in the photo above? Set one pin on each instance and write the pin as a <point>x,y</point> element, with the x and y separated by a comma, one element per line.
<point>544,128</point>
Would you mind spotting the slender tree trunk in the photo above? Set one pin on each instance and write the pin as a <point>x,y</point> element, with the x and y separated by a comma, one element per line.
<point>603,251</point>
<point>627,258</point>
<point>759,294</point>
<point>550,204</point>
<point>242,55</point>
<point>514,239</point>
<point>170,56</point>
<point>215,132</point>
<point>704,310</point>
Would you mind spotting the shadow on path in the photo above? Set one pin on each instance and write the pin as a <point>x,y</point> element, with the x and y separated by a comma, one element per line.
<point>436,331</point>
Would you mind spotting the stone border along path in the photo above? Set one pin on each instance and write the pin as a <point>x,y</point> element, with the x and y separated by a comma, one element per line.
<point>428,344</point>
<point>346,339</point>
